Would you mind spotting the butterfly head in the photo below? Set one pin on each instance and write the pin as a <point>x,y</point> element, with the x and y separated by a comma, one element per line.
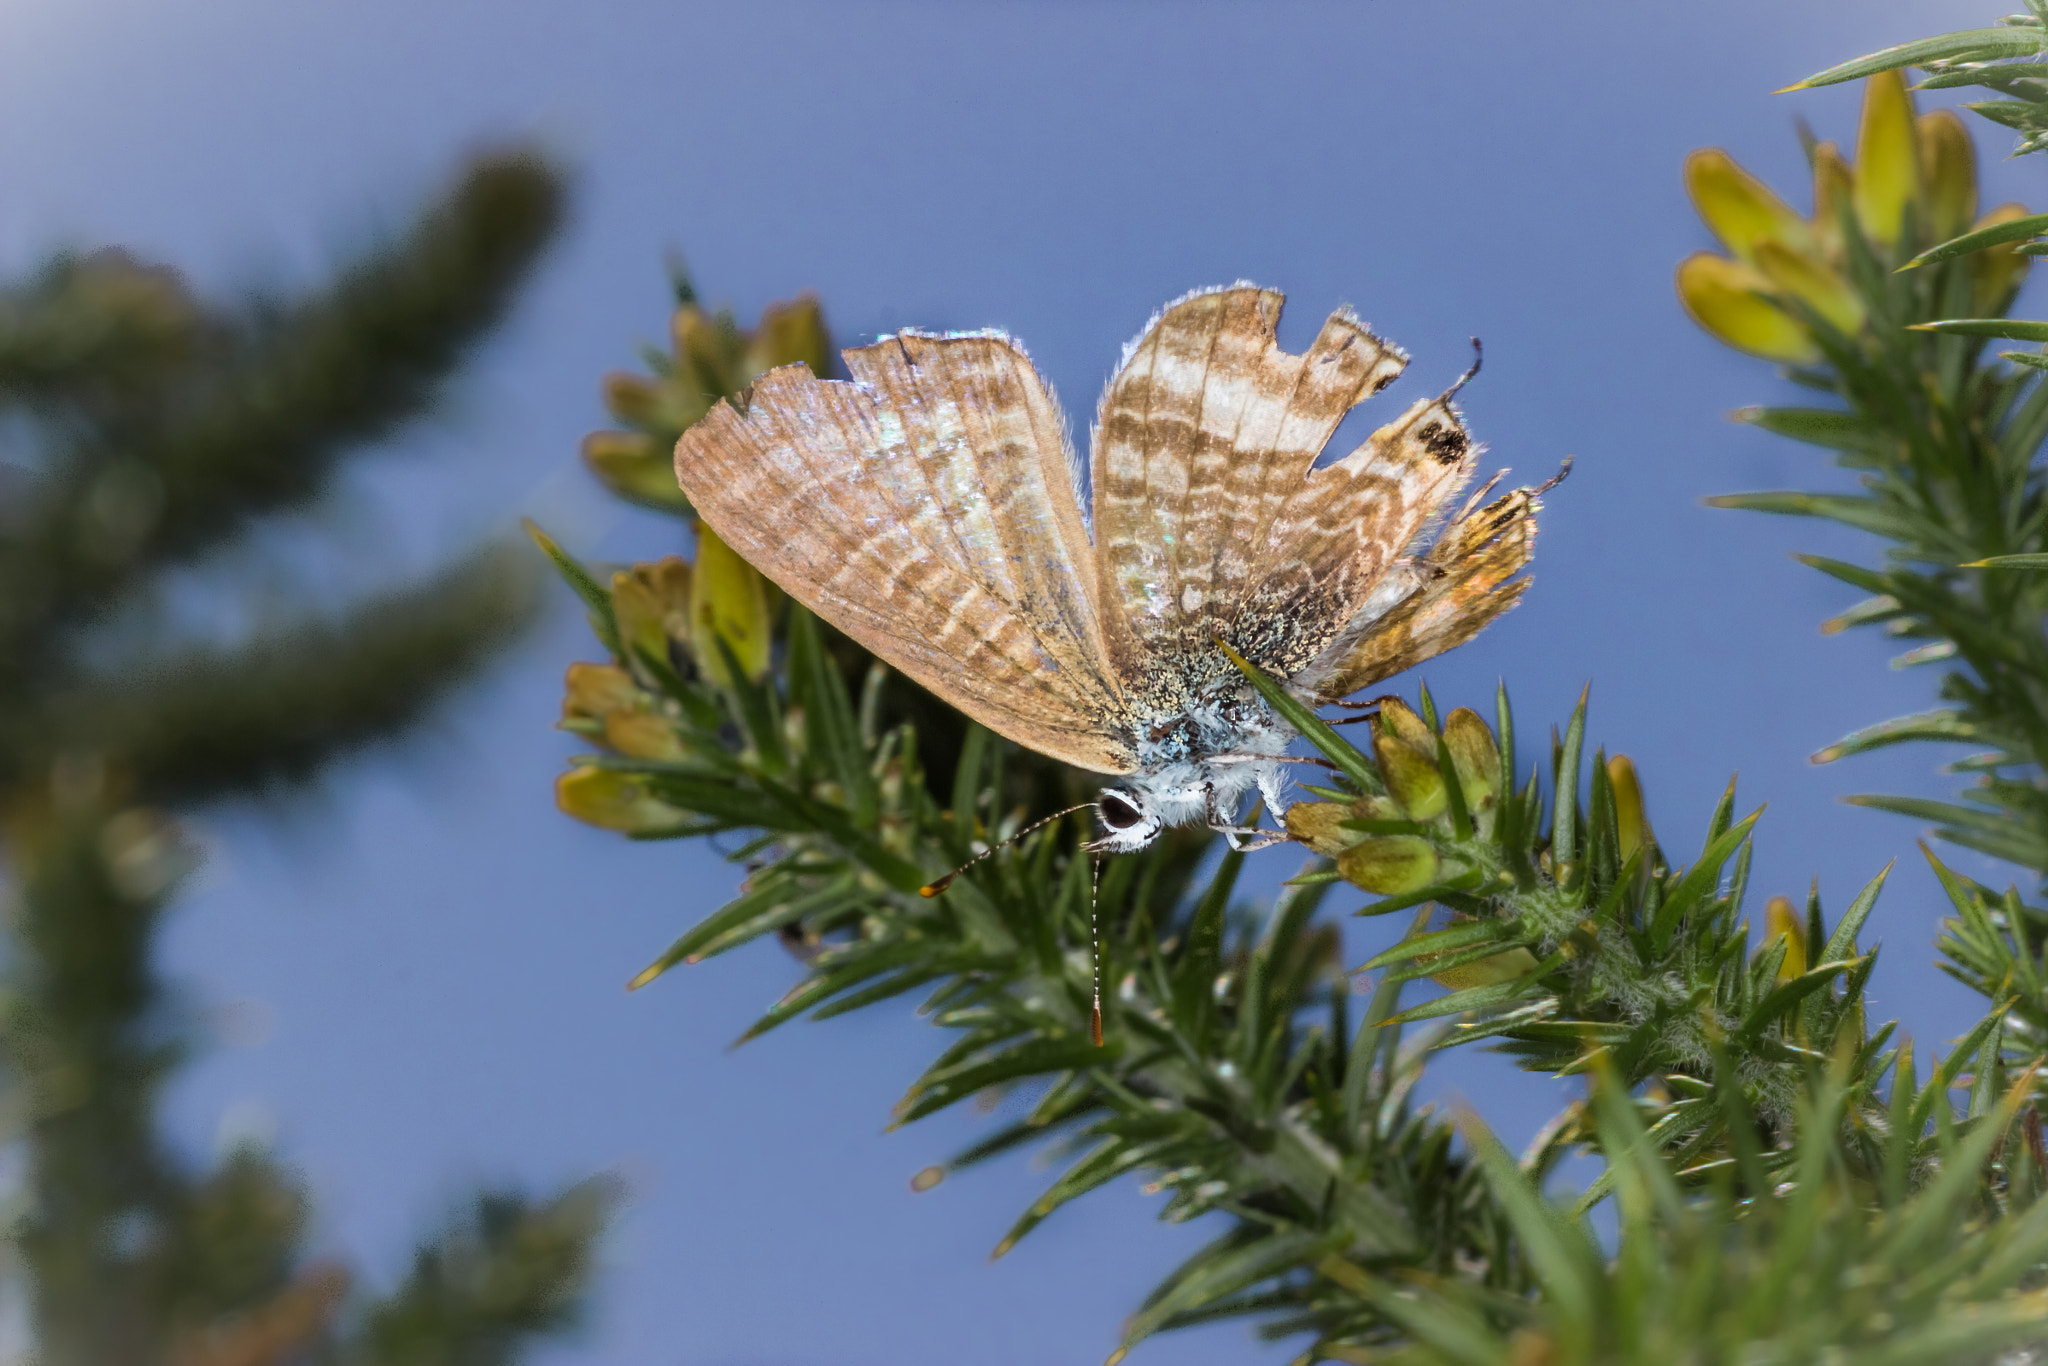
<point>1131,819</point>
<point>1136,810</point>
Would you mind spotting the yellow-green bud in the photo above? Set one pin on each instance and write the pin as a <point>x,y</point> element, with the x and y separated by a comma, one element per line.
<point>1629,820</point>
<point>1948,162</point>
<point>729,602</point>
<point>1391,865</point>
<point>1316,824</point>
<point>1740,209</point>
<point>1412,777</point>
<point>614,801</point>
<point>1782,922</point>
<point>1476,758</point>
<point>1887,157</point>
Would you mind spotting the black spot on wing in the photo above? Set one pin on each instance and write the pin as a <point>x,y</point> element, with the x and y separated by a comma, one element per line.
<point>1444,443</point>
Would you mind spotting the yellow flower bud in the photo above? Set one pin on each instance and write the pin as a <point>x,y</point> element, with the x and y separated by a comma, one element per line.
<point>1476,759</point>
<point>1782,922</point>
<point>636,467</point>
<point>1316,824</point>
<point>1631,824</point>
<point>790,333</point>
<point>1400,719</point>
<point>670,578</point>
<point>632,399</point>
<point>1412,777</point>
<point>1834,185</point>
<point>1740,209</point>
<point>595,691</point>
<point>615,801</point>
<point>730,603</point>
<point>1391,865</point>
<point>1887,157</point>
<point>642,735</point>
<point>1473,752</point>
<point>1728,299</point>
<point>1996,273</point>
<point>652,605</point>
<point>1820,288</point>
<point>1948,161</point>
<point>706,359</point>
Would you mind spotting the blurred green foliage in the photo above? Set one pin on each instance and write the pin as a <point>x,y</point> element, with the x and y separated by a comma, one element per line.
<point>146,430</point>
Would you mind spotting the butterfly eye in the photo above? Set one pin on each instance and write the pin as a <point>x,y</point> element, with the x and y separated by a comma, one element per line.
<point>1117,812</point>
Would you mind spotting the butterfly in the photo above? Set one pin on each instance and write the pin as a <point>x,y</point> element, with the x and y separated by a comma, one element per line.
<point>929,507</point>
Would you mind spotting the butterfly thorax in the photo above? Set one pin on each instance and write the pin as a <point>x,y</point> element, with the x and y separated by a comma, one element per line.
<point>1203,747</point>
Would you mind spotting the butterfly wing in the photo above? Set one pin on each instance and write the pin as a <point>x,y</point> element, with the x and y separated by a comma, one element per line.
<point>1200,450</point>
<point>926,509</point>
<point>1473,567</point>
<point>1348,538</point>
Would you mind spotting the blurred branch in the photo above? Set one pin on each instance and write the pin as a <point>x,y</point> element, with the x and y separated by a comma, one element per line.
<point>512,1270</point>
<point>89,1042</point>
<point>155,430</point>
<point>86,328</point>
<point>258,420</point>
<point>207,722</point>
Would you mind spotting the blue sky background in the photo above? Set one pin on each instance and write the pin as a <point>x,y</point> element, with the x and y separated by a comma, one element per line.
<point>417,972</point>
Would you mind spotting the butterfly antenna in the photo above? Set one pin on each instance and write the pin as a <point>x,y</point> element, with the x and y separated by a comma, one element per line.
<point>1554,480</point>
<point>938,885</point>
<point>1095,949</point>
<point>1478,355</point>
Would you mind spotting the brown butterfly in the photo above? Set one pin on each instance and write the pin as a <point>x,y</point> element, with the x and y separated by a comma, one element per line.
<point>928,508</point>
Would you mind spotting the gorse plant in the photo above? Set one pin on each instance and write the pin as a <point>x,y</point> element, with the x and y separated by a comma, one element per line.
<point>1863,307</point>
<point>1792,1182</point>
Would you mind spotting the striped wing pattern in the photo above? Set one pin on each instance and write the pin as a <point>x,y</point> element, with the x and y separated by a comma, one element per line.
<point>1210,518</point>
<point>926,510</point>
<point>1343,541</point>
<point>1206,431</point>
<point>1474,564</point>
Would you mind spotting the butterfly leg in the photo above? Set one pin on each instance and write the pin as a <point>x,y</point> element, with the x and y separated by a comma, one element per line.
<point>1315,759</point>
<point>1245,839</point>
<point>1222,821</point>
<point>1270,789</point>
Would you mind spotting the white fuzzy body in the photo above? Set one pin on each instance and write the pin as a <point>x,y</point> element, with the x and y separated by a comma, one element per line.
<point>1203,764</point>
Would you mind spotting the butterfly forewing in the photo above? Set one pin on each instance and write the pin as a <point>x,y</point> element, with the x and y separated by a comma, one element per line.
<point>926,511</point>
<point>1203,436</point>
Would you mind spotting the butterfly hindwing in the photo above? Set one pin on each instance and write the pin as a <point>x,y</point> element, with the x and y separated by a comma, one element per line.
<point>1347,536</point>
<point>1473,567</point>
<point>926,509</point>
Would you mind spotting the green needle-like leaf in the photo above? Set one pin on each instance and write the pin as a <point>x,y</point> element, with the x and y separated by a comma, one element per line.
<point>1457,937</point>
<point>2030,560</point>
<point>1317,731</point>
<point>2017,230</point>
<point>1841,945</point>
<point>1968,45</point>
<point>2011,329</point>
